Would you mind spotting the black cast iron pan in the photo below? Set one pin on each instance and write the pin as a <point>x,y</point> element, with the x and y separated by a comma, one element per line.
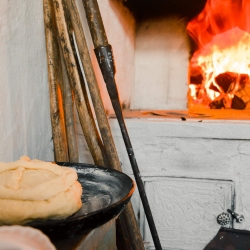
<point>105,194</point>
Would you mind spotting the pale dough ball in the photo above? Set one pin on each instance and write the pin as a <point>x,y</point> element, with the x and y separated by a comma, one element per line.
<point>33,189</point>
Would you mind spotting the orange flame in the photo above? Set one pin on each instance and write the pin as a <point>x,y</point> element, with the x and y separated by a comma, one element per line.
<point>217,17</point>
<point>221,33</point>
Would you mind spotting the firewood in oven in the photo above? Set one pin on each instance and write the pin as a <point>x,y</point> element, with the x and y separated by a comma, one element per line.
<point>227,100</point>
<point>217,104</point>
<point>244,94</point>
<point>197,79</point>
<point>244,80</point>
<point>214,88</point>
<point>238,103</point>
<point>196,76</point>
<point>225,80</point>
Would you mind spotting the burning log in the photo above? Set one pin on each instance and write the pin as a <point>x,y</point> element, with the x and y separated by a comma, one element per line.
<point>196,79</point>
<point>196,76</point>
<point>238,103</point>
<point>244,94</point>
<point>226,81</point>
<point>214,88</point>
<point>226,102</point>
<point>217,104</point>
<point>244,80</point>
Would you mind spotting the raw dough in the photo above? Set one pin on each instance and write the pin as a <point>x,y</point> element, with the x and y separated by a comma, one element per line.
<point>33,189</point>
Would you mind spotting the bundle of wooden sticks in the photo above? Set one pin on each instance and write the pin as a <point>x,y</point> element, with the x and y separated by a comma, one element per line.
<point>66,51</point>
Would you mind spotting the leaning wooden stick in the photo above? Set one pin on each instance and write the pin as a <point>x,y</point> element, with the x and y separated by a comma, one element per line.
<point>104,56</point>
<point>128,214</point>
<point>88,126</point>
<point>68,99</point>
<point>93,86</point>
<point>55,81</point>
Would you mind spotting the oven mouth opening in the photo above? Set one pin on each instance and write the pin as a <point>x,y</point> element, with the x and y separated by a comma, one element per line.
<point>157,93</point>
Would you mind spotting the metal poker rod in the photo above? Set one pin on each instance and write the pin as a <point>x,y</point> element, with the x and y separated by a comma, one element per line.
<point>104,54</point>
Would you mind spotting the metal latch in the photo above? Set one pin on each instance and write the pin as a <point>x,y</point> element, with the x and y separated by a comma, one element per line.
<point>224,218</point>
<point>239,218</point>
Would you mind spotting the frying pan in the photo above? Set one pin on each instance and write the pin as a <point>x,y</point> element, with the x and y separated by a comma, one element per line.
<point>105,194</point>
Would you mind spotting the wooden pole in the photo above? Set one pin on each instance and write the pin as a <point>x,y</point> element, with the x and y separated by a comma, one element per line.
<point>68,97</point>
<point>79,71</point>
<point>107,138</point>
<point>55,81</point>
<point>88,125</point>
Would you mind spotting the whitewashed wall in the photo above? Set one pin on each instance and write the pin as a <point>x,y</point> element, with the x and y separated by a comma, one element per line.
<point>161,64</point>
<point>24,101</point>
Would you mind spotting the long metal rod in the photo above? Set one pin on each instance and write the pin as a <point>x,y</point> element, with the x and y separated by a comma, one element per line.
<point>134,236</point>
<point>104,56</point>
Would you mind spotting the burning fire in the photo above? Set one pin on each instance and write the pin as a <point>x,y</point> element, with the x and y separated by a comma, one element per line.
<point>220,68</point>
